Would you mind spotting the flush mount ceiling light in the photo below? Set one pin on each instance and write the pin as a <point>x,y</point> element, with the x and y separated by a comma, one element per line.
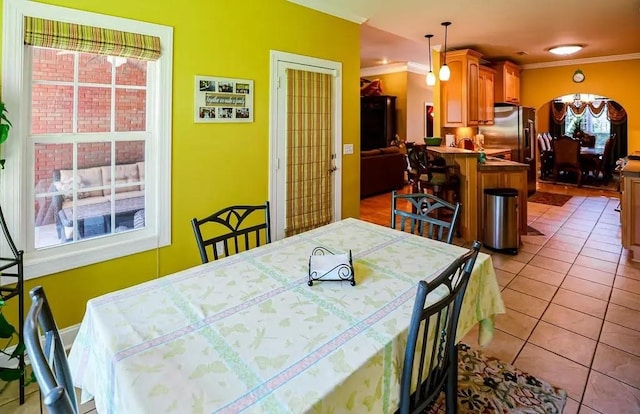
<point>431,77</point>
<point>565,50</point>
<point>445,73</point>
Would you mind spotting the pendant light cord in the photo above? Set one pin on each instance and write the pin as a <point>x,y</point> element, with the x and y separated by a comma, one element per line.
<point>446,25</point>
<point>429,36</point>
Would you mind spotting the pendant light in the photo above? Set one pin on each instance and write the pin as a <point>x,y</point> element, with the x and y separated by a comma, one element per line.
<point>445,73</point>
<point>431,77</point>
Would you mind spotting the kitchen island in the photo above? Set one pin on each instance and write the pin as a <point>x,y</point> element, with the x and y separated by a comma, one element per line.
<point>475,178</point>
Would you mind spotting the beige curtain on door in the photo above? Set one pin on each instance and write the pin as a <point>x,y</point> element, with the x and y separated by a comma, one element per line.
<point>309,158</point>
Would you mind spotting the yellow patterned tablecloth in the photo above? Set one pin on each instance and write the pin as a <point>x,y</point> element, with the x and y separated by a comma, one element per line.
<point>247,334</point>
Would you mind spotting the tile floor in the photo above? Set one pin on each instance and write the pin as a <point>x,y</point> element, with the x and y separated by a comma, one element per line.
<point>573,304</point>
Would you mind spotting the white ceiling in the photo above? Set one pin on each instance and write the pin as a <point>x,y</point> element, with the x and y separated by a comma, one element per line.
<point>395,29</point>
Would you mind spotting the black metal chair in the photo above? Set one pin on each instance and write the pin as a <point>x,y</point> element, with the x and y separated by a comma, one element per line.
<point>426,215</point>
<point>50,366</point>
<point>242,228</point>
<point>432,174</point>
<point>436,361</point>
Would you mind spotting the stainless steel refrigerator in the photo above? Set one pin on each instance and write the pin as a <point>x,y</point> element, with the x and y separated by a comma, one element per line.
<point>514,128</point>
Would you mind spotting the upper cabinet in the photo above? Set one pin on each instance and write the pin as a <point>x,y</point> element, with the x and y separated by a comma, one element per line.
<point>460,94</point>
<point>485,95</point>
<point>507,82</point>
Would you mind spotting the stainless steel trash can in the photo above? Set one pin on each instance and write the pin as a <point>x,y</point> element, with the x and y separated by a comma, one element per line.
<point>501,219</point>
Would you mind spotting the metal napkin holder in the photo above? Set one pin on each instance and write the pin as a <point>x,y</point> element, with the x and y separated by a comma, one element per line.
<point>341,272</point>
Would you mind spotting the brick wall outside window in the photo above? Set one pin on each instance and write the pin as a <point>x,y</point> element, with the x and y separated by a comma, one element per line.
<point>52,113</point>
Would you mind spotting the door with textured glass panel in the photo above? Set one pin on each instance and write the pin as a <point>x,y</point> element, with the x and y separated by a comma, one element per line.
<point>306,166</point>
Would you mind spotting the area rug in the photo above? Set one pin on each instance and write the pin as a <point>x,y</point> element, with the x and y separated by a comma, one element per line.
<point>587,182</point>
<point>489,385</point>
<point>551,199</point>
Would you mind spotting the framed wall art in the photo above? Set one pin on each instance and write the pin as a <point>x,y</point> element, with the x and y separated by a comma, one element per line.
<point>223,100</point>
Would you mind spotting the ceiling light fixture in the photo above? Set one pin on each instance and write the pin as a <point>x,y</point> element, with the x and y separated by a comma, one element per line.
<point>565,50</point>
<point>431,77</point>
<point>445,72</point>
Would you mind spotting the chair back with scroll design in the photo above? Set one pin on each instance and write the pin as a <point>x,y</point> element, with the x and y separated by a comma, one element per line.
<point>432,174</point>
<point>425,216</point>
<point>431,348</point>
<point>50,365</point>
<point>235,229</point>
<point>566,157</point>
<point>417,159</point>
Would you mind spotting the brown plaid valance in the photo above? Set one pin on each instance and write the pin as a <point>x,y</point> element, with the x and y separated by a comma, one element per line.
<point>88,39</point>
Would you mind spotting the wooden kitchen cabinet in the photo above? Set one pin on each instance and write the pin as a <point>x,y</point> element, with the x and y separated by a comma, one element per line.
<point>460,94</point>
<point>630,208</point>
<point>486,95</point>
<point>507,82</point>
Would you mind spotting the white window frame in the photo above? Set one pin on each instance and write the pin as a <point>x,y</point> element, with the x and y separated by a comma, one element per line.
<point>16,181</point>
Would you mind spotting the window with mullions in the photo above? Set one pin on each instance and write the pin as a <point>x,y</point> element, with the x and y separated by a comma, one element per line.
<point>88,159</point>
<point>88,132</point>
<point>599,126</point>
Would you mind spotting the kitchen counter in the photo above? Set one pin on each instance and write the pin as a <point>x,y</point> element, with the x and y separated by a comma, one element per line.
<point>452,150</point>
<point>631,169</point>
<point>499,163</point>
<point>475,177</point>
<point>461,151</point>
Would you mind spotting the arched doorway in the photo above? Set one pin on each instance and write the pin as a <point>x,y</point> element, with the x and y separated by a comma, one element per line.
<point>590,118</point>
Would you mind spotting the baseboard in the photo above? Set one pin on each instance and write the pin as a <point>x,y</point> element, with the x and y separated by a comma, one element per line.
<point>67,335</point>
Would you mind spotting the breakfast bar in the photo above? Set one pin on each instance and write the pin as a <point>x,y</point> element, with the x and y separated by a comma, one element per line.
<point>475,177</point>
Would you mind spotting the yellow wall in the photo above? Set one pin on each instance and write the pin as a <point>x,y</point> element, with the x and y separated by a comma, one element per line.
<point>222,164</point>
<point>616,80</point>
<point>417,95</point>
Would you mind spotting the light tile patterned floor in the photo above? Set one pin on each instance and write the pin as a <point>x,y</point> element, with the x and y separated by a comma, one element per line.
<point>573,303</point>
<point>573,306</point>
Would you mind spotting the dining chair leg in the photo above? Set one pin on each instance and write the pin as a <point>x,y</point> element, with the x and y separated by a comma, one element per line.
<point>451,393</point>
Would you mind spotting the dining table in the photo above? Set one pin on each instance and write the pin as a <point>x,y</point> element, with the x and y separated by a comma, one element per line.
<point>591,151</point>
<point>247,333</point>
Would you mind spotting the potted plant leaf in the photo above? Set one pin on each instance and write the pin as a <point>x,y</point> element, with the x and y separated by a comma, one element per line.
<point>5,124</point>
<point>9,338</point>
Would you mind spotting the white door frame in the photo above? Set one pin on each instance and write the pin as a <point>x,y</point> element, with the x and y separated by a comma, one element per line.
<point>277,158</point>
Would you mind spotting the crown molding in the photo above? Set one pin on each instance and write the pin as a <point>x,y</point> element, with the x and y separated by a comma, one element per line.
<point>319,6</point>
<point>599,59</point>
<point>412,67</point>
<point>418,68</point>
